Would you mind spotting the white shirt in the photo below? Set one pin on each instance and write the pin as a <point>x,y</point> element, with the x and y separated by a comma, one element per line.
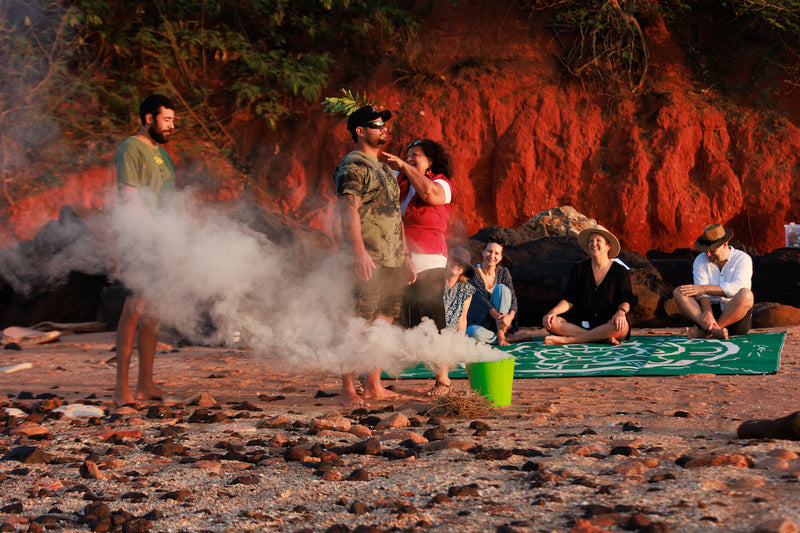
<point>736,274</point>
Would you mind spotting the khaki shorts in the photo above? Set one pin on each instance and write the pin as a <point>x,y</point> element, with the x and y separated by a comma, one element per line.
<point>381,295</point>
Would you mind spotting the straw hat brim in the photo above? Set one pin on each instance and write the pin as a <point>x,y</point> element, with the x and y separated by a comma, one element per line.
<point>702,245</point>
<point>583,240</point>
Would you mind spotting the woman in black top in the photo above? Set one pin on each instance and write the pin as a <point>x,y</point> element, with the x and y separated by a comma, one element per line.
<point>597,298</point>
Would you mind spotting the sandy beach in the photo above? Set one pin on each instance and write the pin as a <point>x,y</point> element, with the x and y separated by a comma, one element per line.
<point>244,444</point>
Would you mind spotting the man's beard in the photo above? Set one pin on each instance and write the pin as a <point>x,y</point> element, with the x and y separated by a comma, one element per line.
<point>377,143</point>
<point>157,135</point>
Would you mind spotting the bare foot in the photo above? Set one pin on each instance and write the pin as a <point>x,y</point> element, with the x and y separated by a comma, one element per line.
<point>440,389</point>
<point>351,399</point>
<point>720,333</point>
<point>696,333</point>
<point>501,338</point>
<point>556,339</point>
<point>380,392</point>
<point>123,397</point>
<point>149,392</point>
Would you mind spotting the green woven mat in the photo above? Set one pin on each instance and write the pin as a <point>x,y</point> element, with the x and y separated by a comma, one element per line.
<point>754,353</point>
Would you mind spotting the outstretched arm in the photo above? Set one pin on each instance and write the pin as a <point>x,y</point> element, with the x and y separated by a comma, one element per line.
<point>432,193</point>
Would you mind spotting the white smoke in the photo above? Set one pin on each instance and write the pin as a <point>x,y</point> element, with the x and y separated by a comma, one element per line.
<point>195,264</point>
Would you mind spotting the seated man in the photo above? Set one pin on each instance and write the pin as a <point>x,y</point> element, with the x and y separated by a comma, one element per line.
<point>720,302</point>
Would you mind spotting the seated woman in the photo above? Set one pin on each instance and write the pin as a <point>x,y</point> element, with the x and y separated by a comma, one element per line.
<point>597,298</point>
<point>457,296</point>
<point>494,307</point>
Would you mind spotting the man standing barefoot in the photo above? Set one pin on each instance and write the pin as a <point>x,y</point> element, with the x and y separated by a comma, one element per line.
<point>720,302</point>
<point>372,234</point>
<point>145,177</point>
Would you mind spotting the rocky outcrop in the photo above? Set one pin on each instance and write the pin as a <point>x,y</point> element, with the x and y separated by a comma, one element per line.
<point>540,266</point>
<point>68,271</point>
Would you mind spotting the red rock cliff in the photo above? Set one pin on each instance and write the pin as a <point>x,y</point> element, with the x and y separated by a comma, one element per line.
<point>655,167</point>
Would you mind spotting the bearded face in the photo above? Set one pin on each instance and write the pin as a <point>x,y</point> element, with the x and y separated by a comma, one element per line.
<point>162,125</point>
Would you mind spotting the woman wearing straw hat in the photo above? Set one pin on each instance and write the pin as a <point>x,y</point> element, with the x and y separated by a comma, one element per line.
<point>597,298</point>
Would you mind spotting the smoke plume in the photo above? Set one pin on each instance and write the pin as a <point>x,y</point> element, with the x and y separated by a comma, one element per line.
<point>212,278</point>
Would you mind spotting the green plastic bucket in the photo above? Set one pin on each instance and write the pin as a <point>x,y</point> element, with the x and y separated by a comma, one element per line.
<point>492,379</point>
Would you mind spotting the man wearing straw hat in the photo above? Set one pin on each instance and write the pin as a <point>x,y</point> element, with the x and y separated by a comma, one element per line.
<point>720,303</point>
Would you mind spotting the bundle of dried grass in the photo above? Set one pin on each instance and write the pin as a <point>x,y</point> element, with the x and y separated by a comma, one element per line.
<point>461,404</point>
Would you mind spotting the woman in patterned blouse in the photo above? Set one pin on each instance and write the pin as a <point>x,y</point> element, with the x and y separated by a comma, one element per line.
<point>457,296</point>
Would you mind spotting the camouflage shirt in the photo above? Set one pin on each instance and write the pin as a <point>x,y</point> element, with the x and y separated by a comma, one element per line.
<point>381,223</point>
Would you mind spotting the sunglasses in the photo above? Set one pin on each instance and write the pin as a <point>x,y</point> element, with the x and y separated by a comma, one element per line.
<point>374,125</point>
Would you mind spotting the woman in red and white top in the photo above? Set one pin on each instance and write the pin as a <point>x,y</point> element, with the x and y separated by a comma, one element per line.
<point>425,201</point>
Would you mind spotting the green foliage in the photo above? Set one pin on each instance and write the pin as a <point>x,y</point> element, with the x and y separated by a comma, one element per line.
<point>346,104</point>
<point>80,67</point>
<point>604,38</point>
<point>783,15</point>
<point>36,41</point>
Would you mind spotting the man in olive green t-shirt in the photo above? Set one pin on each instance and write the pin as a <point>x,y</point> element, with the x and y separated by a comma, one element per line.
<point>145,177</point>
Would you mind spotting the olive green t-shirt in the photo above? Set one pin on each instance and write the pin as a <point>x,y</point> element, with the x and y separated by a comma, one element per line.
<point>143,166</point>
<point>381,221</point>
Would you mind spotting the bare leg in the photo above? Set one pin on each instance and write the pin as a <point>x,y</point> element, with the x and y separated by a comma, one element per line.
<point>501,337</point>
<point>736,308</point>
<point>146,388</point>
<point>567,333</point>
<point>442,385</point>
<point>349,397</point>
<point>132,311</point>
<point>373,388</point>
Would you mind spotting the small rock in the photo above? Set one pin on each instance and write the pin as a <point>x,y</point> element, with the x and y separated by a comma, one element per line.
<point>177,495</point>
<point>332,475</point>
<point>29,429</point>
<point>90,470</point>
<point>252,479</point>
<point>393,421</point>
<point>777,525</point>
<point>28,455</point>
<point>463,491</point>
<point>787,455</point>
<point>275,422</point>
<point>495,454</point>
<point>402,435</point>
<point>433,434</point>
<point>624,450</point>
<point>77,410</point>
<point>358,507</point>
<point>772,463</point>
<point>366,447</point>
<point>787,427</point>
<point>96,511</point>
<point>359,474</point>
<point>203,400</point>
<point>159,412</point>
<point>334,421</point>
<point>439,499</point>
<point>168,449</point>
<point>360,430</point>
<point>734,459</point>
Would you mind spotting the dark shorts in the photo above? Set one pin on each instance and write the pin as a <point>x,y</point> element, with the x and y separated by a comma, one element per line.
<point>424,298</point>
<point>737,328</point>
<point>381,295</point>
